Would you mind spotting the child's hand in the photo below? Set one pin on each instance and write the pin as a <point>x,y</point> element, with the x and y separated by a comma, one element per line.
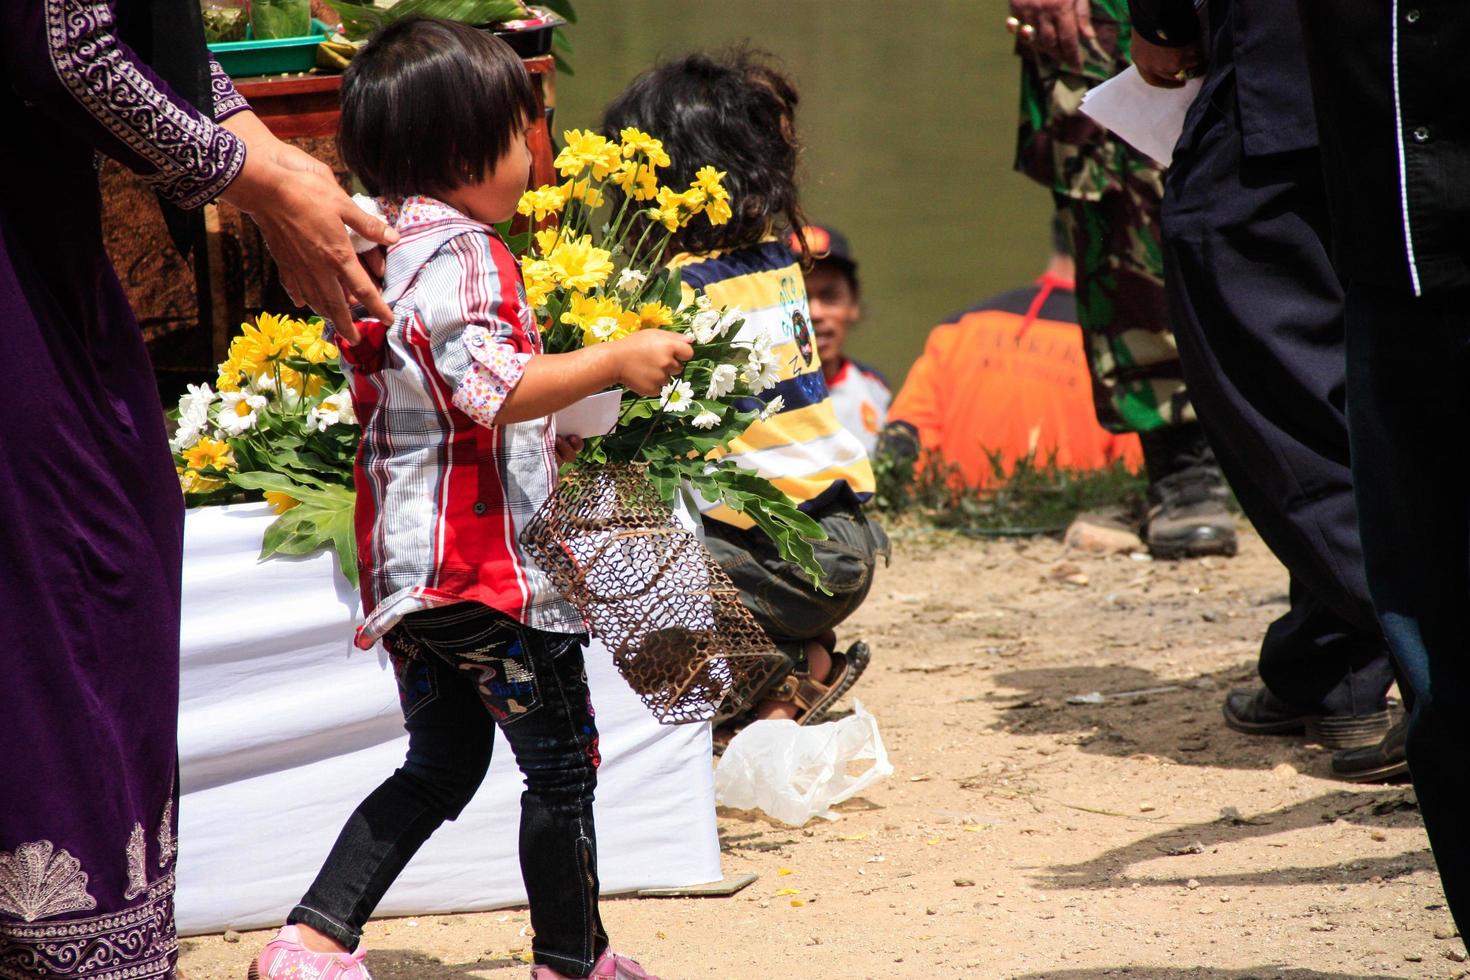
<point>650,358</point>
<point>567,448</point>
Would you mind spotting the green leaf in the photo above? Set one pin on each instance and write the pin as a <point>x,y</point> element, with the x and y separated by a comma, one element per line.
<point>469,11</point>
<point>673,289</point>
<point>562,7</point>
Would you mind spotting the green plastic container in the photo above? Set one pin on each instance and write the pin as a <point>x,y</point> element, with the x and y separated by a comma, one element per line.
<point>245,59</point>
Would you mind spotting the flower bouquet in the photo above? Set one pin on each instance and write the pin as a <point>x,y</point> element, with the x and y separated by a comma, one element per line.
<point>279,424</point>
<point>674,621</point>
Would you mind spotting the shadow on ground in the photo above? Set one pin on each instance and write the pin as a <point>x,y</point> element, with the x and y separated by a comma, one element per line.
<point>405,964</point>
<point>1179,721</point>
<point>1387,808</point>
<point>1197,973</point>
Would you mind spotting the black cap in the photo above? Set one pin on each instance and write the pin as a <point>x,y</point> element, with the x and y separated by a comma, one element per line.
<point>827,244</point>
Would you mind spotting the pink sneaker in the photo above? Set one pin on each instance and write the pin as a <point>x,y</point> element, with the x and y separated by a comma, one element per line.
<point>609,966</point>
<point>284,958</point>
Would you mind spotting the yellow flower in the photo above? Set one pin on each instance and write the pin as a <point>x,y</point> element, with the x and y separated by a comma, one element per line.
<point>653,315</point>
<point>668,217</point>
<point>280,502</point>
<point>539,280</point>
<point>583,310</point>
<point>637,180</point>
<point>718,211</point>
<point>636,141</point>
<point>316,349</point>
<point>542,202</point>
<point>582,190</point>
<point>587,149</point>
<point>709,180</point>
<point>690,202</point>
<point>210,453</point>
<point>270,339</point>
<point>578,264</point>
<point>606,329</point>
<point>192,481</point>
<point>546,239</point>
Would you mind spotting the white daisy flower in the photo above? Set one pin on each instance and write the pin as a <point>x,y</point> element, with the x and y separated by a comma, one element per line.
<point>239,411</point>
<point>186,435</point>
<point>721,381</point>
<point>194,405</point>
<point>333,410</point>
<point>630,279</point>
<point>703,302</point>
<point>775,405</point>
<point>677,397</point>
<point>265,384</point>
<point>706,325</point>
<point>705,420</point>
<point>604,327</point>
<point>761,371</point>
<point>732,318</point>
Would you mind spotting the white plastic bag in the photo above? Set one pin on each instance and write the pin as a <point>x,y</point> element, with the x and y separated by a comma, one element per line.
<point>795,773</point>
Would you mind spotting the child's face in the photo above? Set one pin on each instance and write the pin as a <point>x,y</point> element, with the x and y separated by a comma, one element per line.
<point>834,305</point>
<point>493,199</point>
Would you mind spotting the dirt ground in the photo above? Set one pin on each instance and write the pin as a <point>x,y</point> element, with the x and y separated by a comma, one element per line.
<point>1022,836</point>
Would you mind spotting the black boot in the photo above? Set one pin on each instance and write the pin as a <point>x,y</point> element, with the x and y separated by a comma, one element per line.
<point>1377,763</point>
<point>1187,516</point>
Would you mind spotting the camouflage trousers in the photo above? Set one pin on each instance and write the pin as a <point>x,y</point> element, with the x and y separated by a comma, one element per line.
<point>1137,381</point>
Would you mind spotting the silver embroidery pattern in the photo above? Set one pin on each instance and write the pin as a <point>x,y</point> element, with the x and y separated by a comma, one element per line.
<point>37,881</point>
<point>193,159</point>
<point>168,844</point>
<point>137,864</point>
<point>227,101</point>
<point>132,944</point>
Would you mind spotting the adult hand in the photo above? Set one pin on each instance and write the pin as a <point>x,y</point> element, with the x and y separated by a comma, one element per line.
<point>300,209</point>
<point>1165,67</point>
<point>1056,27</point>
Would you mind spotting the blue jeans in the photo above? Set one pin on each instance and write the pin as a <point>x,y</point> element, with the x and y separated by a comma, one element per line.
<point>1408,415</point>
<point>463,671</point>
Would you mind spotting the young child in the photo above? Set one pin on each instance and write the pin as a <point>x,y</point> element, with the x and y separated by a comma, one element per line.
<point>457,455</point>
<point>737,114</point>
<point>860,394</point>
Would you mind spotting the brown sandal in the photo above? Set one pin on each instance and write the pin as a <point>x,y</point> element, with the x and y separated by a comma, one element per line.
<point>813,699</point>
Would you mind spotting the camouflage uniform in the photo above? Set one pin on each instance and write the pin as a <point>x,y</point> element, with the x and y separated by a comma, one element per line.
<point>1108,195</point>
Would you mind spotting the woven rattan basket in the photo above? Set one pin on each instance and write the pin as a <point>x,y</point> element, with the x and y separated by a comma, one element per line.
<point>652,593</point>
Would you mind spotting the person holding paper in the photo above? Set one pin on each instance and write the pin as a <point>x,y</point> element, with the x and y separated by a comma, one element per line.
<point>1257,311</point>
<point>1108,193</point>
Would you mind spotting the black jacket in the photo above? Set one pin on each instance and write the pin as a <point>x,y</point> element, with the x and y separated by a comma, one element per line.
<point>1397,156</point>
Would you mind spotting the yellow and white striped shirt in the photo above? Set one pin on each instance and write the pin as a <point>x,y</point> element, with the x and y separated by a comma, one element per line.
<point>802,449</point>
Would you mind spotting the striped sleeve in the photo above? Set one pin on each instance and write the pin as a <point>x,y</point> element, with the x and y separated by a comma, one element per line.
<point>469,306</point>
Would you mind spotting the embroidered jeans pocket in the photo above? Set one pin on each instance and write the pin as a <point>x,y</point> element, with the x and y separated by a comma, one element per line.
<point>504,672</point>
<point>418,685</point>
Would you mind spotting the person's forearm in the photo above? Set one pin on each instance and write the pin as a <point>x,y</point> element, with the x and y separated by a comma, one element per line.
<point>551,382</point>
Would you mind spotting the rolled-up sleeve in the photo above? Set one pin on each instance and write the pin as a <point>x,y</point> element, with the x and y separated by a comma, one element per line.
<point>469,310</point>
<point>64,58</point>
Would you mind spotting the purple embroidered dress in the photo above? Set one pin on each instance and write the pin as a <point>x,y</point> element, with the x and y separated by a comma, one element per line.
<point>91,519</point>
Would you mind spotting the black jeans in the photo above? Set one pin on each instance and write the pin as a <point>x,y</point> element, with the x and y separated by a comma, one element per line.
<point>462,671</point>
<point>1408,412</point>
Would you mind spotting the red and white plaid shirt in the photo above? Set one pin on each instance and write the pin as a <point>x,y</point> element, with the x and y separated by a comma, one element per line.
<point>443,493</point>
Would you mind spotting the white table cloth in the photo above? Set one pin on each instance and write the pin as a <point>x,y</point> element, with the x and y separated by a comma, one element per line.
<point>285,727</point>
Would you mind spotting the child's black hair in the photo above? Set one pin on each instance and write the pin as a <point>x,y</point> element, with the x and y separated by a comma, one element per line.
<point>735,112</point>
<point>430,105</point>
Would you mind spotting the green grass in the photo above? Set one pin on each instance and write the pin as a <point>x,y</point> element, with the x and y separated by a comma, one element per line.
<point>1036,498</point>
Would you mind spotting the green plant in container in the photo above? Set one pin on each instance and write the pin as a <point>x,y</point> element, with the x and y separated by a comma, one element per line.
<point>272,19</point>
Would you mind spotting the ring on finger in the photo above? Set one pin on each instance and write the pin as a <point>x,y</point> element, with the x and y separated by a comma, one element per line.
<point>1026,32</point>
<point>1013,24</point>
<point>1185,74</point>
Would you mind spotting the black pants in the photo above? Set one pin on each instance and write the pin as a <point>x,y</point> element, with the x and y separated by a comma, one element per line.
<point>1409,411</point>
<point>463,670</point>
<point>1257,313</point>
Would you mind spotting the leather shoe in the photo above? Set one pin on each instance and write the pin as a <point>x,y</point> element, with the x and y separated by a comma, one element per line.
<point>1256,711</point>
<point>1375,763</point>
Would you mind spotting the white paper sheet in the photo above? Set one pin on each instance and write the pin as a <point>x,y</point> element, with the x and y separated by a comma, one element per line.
<point>285,727</point>
<point>1147,118</point>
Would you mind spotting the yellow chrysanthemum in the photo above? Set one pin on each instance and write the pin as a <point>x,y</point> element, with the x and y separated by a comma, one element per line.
<point>316,349</point>
<point>637,180</point>
<point>271,338</point>
<point>192,481</point>
<point>587,149</point>
<point>718,211</point>
<point>654,315</point>
<point>210,453</point>
<point>668,217</point>
<point>280,502</point>
<point>539,280</point>
<point>606,329</point>
<point>635,141</point>
<point>710,180</point>
<point>579,264</point>
<point>546,240</point>
<point>582,190</point>
<point>689,202</point>
<point>541,202</point>
<point>583,310</point>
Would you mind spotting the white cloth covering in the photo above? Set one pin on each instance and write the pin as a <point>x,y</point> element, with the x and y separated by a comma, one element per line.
<point>284,728</point>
